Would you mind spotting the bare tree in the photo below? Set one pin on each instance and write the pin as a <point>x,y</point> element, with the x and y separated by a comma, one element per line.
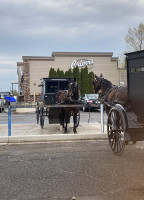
<point>135,38</point>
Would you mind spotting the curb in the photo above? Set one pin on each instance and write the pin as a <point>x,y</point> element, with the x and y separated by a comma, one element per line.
<point>21,110</point>
<point>51,138</point>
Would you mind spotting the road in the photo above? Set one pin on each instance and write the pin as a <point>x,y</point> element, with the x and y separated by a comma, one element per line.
<point>31,117</point>
<point>86,170</point>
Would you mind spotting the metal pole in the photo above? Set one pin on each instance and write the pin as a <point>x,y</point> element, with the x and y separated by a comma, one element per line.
<point>34,97</point>
<point>12,88</point>
<point>89,115</point>
<point>9,120</point>
<point>102,118</point>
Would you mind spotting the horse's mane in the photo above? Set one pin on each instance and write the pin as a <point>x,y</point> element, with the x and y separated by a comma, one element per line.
<point>107,83</point>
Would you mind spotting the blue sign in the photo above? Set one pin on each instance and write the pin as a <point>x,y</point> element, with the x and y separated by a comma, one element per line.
<point>10,99</point>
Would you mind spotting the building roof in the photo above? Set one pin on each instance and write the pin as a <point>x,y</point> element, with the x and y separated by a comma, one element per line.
<point>69,54</point>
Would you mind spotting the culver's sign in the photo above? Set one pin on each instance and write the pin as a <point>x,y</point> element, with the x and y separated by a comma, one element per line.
<point>82,63</point>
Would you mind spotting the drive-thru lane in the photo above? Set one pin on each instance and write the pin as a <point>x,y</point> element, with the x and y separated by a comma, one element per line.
<point>27,118</point>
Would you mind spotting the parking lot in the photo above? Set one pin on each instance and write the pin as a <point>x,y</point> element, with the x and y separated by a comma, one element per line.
<point>30,118</point>
<point>86,170</point>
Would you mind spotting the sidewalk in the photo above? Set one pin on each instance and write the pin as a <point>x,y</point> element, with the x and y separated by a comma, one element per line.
<point>51,132</point>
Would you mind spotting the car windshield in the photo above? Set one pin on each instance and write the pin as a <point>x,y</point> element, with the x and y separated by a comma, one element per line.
<point>92,96</point>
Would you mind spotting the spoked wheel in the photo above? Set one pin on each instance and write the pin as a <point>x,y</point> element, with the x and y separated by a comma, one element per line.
<point>116,130</point>
<point>77,119</point>
<point>37,115</point>
<point>42,117</point>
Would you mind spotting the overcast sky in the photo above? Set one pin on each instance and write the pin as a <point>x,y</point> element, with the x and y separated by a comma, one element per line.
<point>39,27</point>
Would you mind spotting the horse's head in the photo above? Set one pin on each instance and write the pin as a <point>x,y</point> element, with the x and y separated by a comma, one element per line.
<point>73,87</point>
<point>101,85</point>
<point>97,84</point>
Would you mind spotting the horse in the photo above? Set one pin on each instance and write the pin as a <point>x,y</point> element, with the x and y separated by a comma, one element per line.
<point>110,93</point>
<point>70,96</point>
<point>73,87</point>
<point>63,96</point>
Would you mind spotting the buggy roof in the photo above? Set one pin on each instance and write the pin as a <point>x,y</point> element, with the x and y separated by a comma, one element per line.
<point>135,54</point>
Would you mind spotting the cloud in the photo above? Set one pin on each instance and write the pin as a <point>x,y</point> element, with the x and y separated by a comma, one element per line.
<point>50,18</point>
<point>6,71</point>
<point>36,27</point>
<point>4,60</point>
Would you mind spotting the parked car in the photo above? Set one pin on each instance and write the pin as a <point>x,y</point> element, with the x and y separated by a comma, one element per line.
<point>1,105</point>
<point>90,102</point>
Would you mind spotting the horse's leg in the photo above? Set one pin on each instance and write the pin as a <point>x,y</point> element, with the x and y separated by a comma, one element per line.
<point>63,117</point>
<point>60,117</point>
<point>66,120</point>
<point>74,120</point>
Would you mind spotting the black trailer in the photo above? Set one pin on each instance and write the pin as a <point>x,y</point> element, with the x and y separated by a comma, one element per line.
<point>127,123</point>
<point>48,106</point>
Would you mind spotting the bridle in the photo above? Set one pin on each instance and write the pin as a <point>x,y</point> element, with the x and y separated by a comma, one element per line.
<point>98,87</point>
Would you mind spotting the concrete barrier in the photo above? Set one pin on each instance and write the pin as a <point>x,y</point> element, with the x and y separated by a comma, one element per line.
<point>21,133</point>
<point>50,138</point>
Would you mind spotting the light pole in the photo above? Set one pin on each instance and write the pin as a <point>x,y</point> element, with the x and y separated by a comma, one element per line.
<point>13,83</point>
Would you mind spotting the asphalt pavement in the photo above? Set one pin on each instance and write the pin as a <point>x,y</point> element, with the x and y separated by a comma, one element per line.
<point>86,170</point>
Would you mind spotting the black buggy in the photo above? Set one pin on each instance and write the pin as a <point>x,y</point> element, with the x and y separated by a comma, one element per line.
<point>127,123</point>
<point>48,106</point>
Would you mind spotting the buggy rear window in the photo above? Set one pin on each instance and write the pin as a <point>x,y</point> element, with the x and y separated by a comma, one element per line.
<point>63,85</point>
<point>137,69</point>
<point>55,86</point>
<point>51,87</point>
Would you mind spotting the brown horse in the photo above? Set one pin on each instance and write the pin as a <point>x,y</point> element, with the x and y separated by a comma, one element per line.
<point>110,93</point>
<point>63,96</point>
<point>70,96</point>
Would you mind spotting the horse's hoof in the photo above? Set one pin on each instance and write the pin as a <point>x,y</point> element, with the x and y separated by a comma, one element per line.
<point>64,131</point>
<point>126,142</point>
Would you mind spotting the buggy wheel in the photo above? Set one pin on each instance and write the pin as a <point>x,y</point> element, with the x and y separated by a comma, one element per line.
<point>37,115</point>
<point>78,119</point>
<point>116,130</point>
<point>42,117</point>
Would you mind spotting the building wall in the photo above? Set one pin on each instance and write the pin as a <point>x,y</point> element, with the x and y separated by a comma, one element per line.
<point>39,67</point>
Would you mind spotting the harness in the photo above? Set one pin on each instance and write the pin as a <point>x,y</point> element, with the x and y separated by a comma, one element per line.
<point>108,91</point>
<point>64,96</point>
